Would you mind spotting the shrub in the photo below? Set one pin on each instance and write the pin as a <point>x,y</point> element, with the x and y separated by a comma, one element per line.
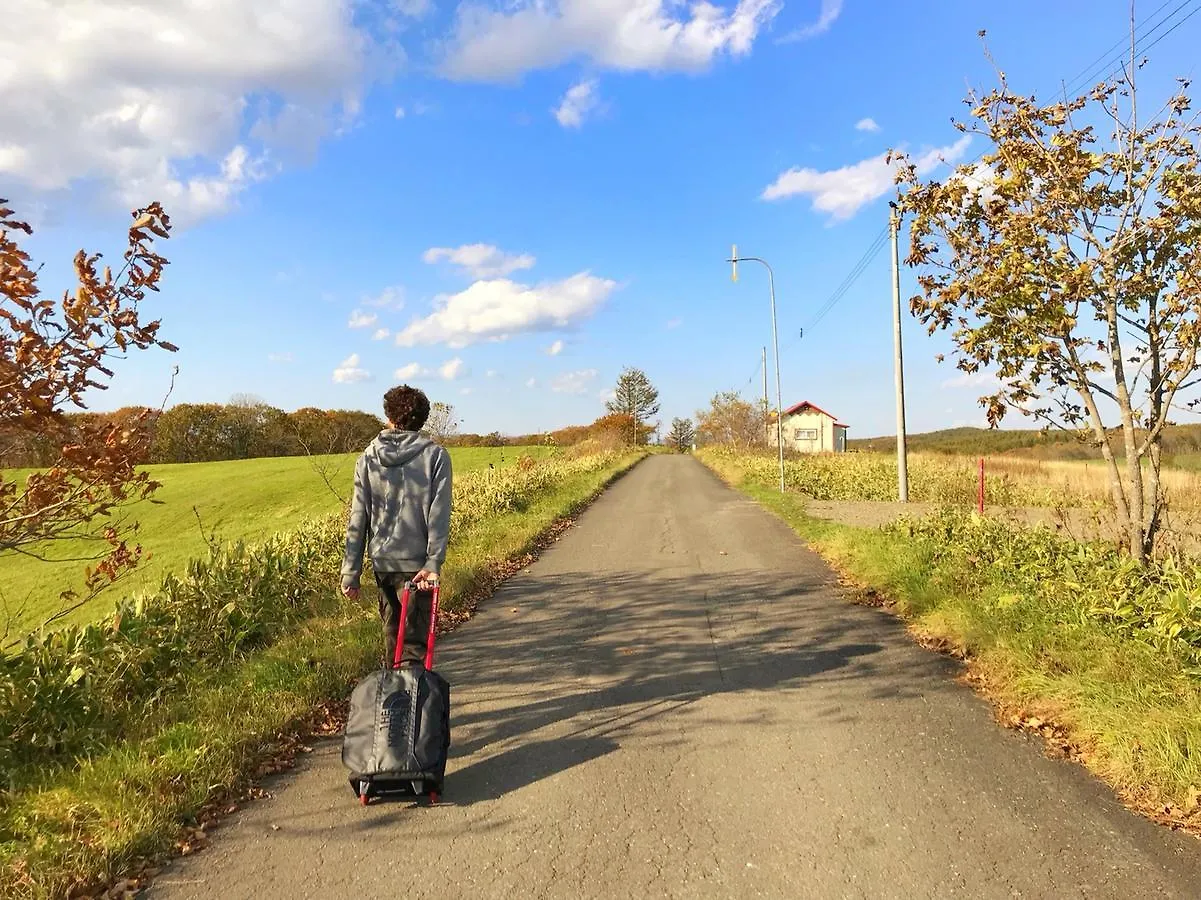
<point>72,691</point>
<point>66,692</point>
<point>1158,604</point>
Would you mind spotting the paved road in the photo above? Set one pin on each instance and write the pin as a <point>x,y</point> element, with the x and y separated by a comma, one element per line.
<point>675,701</point>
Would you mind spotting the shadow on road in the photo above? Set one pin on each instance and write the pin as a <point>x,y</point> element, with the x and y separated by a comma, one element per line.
<point>588,659</point>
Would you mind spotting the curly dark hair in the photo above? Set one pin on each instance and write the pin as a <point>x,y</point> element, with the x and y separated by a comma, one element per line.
<point>406,407</point>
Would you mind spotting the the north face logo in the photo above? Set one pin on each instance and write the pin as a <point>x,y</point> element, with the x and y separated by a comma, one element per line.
<point>394,719</point>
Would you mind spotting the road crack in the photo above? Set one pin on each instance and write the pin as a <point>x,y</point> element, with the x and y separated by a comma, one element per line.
<point>713,640</point>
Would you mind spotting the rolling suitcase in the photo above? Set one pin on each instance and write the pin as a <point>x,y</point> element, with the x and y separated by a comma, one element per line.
<point>398,729</point>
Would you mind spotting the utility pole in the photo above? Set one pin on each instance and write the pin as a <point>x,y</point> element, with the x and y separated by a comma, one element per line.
<point>894,227</point>
<point>766,401</point>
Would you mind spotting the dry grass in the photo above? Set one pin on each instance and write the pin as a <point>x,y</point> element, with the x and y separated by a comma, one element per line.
<point>1087,482</point>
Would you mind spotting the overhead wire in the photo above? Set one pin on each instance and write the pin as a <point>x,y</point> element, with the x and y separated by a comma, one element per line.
<point>1104,65</point>
<point>1080,80</point>
<point>1085,76</point>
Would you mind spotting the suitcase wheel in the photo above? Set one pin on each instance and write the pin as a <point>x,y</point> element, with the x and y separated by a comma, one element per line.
<point>433,795</point>
<point>364,799</point>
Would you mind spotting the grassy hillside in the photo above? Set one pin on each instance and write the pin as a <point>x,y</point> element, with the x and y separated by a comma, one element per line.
<point>1182,442</point>
<point>236,500</point>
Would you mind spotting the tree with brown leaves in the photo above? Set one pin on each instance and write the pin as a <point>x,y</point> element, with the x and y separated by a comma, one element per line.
<point>1069,265</point>
<point>730,421</point>
<point>51,355</point>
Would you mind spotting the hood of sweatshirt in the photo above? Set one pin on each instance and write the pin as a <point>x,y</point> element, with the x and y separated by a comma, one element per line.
<point>395,448</point>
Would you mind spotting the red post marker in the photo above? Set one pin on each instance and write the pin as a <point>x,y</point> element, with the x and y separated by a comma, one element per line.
<point>980,490</point>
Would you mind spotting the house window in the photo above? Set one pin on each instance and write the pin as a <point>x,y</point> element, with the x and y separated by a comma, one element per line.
<point>806,434</point>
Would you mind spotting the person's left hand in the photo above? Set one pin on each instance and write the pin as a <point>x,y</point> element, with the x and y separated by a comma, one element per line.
<point>425,580</point>
<point>350,593</point>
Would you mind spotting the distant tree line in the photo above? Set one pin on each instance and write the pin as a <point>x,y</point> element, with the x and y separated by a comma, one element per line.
<point>627,421</point>
<point>1178,440</point>
<point>247,429</point>
<point>611,430</point>
<point>207,432</point>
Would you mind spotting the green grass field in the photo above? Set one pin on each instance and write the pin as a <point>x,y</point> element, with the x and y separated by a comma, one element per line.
<point>237,500</point>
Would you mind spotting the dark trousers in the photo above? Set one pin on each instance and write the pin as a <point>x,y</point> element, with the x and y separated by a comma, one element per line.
<point>416,629</point>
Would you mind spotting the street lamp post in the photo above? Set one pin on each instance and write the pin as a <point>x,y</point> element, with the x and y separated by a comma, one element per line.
<point>734,260</point>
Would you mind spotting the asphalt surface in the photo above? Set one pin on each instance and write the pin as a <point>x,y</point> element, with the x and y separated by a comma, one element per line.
<point>676,701</point>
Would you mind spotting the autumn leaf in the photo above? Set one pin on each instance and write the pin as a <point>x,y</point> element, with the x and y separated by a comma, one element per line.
<point>51,355</point>
<point>1068,264</point>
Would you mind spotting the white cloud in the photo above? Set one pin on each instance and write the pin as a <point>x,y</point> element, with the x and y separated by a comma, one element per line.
<point>480,260</point>
<point>868,124</point>
<point>452,369</point>
<point>977,422</point>
<point>830,10</point>
<point>465,391</point>
<point>555,349</point>
<point>359,319</point>
<point>531,382</point>
<point>349,371</point>
<point>388,298</point>
<point>674,323</point>
<point>841,192</point>
<point>498,309</point>
<point>187,103</point>
<point>279,357</point>
<point>629,35</point>
<point>578,102</point>
<point>981,379</point>
<point>400,112</point>
<point>414,9</point>
<point>411,370</point>
<point>573,382</point>
<point>981,183</point>
<point>380,334</point>
<point>491,373</point>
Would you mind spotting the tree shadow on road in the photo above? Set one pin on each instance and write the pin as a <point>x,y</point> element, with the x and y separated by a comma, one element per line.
<point>585,659</point>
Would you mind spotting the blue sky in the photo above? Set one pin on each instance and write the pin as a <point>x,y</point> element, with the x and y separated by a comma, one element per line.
<point>507,204</point>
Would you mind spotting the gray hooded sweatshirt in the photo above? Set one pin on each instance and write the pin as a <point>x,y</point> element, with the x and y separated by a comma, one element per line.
<point>401,506</point>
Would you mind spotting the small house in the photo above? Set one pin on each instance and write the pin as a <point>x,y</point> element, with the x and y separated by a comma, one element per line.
<point>810,429</point>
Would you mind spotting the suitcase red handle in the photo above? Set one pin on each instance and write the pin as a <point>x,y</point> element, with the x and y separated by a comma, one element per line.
<point>404,618</point>
<point>429,640</point>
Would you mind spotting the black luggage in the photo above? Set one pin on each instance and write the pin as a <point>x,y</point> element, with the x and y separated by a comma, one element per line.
<point>398,729</point>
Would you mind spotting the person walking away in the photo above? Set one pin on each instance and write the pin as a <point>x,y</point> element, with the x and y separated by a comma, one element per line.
<point>400,512</point>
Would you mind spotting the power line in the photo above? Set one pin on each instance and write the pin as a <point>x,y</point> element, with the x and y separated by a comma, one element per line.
<point>1173,28</point>
<point>864,261</point>
<point>1085,76</point>
<point>754,375</point>
<point>878,242</point>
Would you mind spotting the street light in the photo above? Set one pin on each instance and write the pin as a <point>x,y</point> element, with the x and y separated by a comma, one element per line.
<point>734,260</point>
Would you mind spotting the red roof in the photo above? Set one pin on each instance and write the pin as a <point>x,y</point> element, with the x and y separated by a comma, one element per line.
<point>805,404</point>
